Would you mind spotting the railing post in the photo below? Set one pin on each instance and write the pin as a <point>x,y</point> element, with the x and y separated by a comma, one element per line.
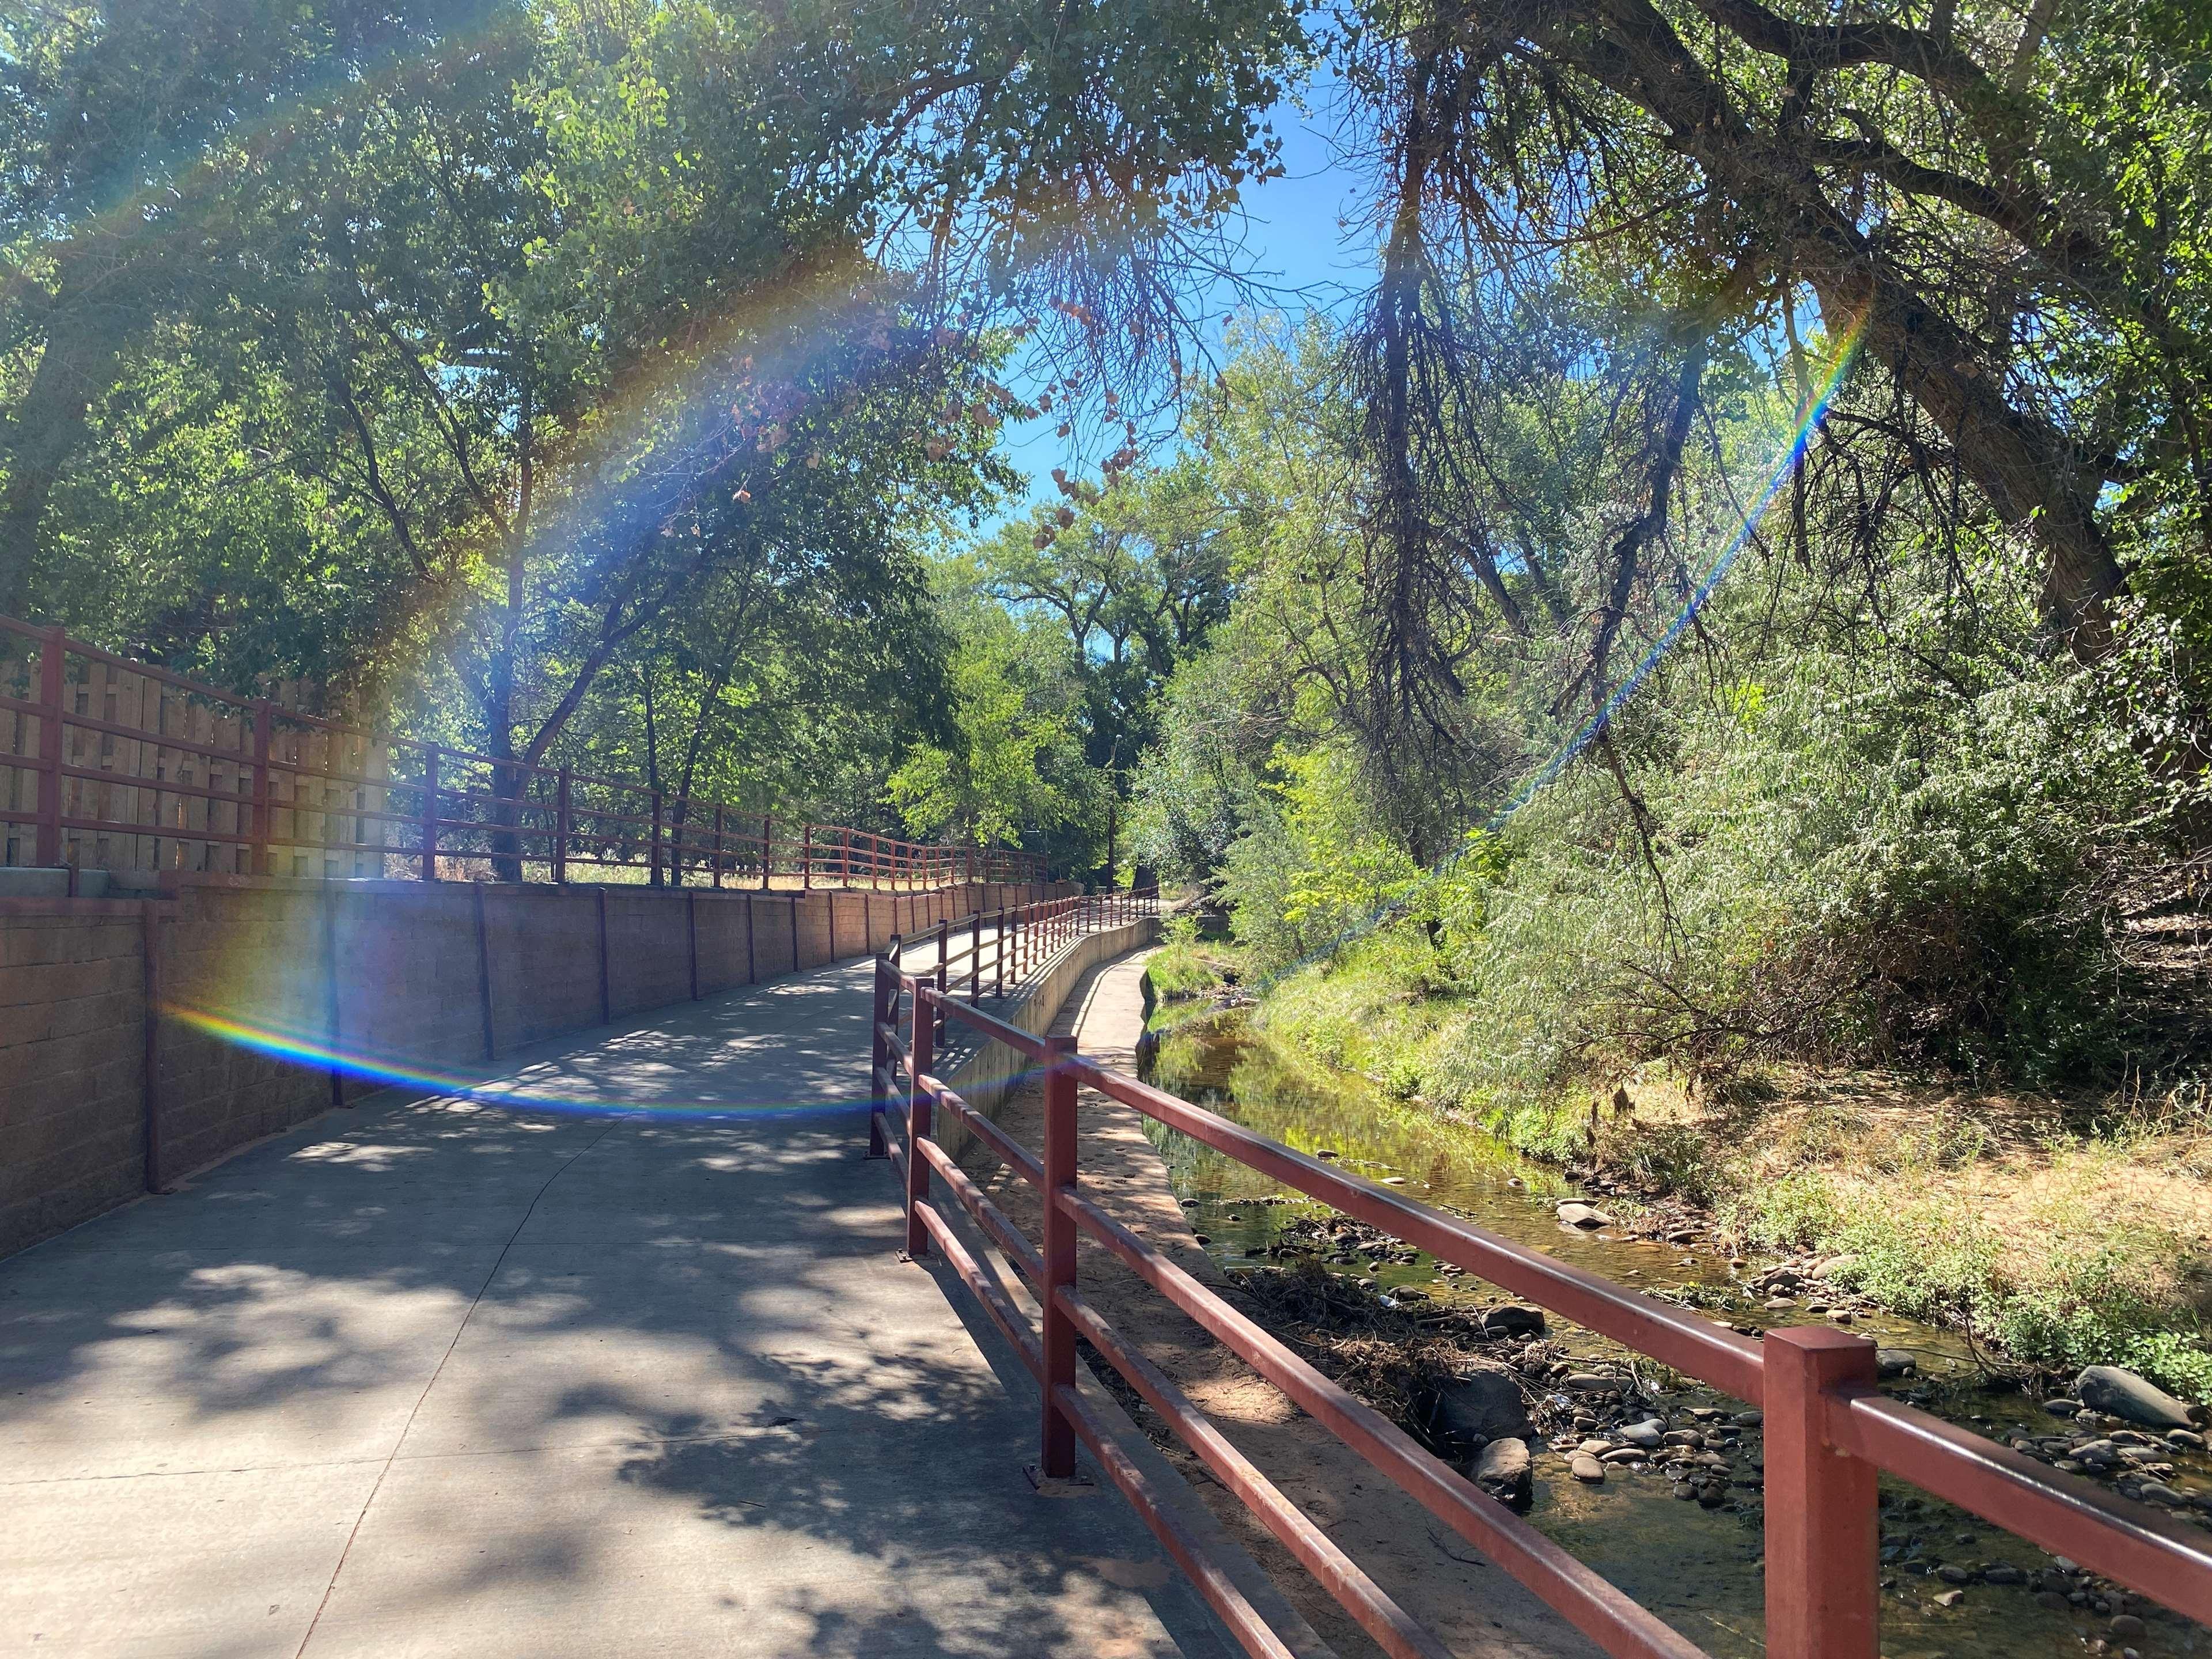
<point>768,848</point>
<point>654,878</point>
<point>429,813</point>
<point>717,846</point>
<point>999,956</point>
<point>1822,1527</point>
<point>944,970</point>
<point>879,1055</point>
<point>264,742</point>
<point>51,682</point>
<point>921,1058</point>
<point>975,960</point>
<point>1058,1459</point>
<point>563,821</point>
<point>805,856</point>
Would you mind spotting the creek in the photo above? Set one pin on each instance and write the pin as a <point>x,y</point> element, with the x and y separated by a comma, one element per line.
<point>1954,1587</point>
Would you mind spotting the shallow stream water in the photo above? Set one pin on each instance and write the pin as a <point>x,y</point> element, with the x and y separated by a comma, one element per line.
<point>1697,1568</point>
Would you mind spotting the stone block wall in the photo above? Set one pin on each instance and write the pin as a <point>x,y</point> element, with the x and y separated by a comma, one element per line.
<point>72,1061</point>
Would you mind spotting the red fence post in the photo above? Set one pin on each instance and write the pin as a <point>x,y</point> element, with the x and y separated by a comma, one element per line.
<point>999,955</point>
<point>768,847</point>
<point>921,1057</point>
<point>1822,1527</point>
<point>944,951</point>
<point>717,846</point>
<point>50,679</point>
<point>562,818</point>
<point>1058,1460</point>
<point>654,878</point>
<point>805,856</point>
<point>429,813</point>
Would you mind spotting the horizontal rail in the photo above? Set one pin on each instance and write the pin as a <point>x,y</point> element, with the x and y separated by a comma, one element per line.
<point>1228,1602</point>
<point>1601,1611</point>
<point>2129,1543</point>
<point>1010,1151</point>
<point>988,1216</point>
<point>1674,1336</point>
<point>996,1302</point>
<point>1359,1594</point>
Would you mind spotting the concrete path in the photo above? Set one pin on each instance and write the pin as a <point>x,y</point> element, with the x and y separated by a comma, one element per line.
<point>441,1377</point>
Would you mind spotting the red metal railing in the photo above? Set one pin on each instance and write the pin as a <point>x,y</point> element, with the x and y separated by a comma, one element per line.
<point>1004,946</point>
<point>1828,1430</point>
<point>109,764</point>
<point>1008,943</point>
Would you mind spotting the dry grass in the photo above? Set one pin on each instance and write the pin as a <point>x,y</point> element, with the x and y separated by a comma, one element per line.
<point>2069,1229</point>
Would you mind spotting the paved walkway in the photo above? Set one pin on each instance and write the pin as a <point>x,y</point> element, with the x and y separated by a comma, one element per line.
<point>449,1378</point>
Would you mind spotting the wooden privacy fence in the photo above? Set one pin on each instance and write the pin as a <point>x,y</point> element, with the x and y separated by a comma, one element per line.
<point>1828,1430</point>
<point>107,763</point>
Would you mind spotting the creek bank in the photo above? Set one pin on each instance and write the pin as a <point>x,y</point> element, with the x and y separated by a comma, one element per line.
<point>1615,1444</point>
<point>2053,1231</point>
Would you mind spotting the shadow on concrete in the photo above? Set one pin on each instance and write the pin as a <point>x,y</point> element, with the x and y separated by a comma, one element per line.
<point>438,1377</point>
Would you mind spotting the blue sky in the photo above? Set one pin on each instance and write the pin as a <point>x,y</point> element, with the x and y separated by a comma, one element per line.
<point>1291,245</point>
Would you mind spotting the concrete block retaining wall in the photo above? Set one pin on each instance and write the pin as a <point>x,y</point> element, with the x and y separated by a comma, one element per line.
<point>72,1062</point>
<point>438,978</point>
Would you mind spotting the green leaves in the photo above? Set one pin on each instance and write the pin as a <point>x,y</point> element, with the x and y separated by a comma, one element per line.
<point>559,372</point>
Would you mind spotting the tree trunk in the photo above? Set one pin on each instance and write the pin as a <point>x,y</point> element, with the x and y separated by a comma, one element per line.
<point>49,428</point>
<point>2024,468</point>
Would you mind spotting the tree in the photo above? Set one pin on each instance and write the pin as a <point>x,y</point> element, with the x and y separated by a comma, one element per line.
<point>2003,206</point>
<point>1012,771</point>
<point>486,347</point>
<point>1137,575</point>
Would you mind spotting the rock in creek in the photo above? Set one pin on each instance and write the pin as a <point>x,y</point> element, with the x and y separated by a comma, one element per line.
<point>1583,1215</point>
<point>2120,1393</point>
<point>1506,1472</point>
<point>1513,1320</point>
<point>1896,1362</point>
<point>1586,1469</point>
<point>1478,1406</point>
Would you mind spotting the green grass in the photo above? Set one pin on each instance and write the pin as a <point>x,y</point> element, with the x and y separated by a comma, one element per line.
<point>1187,966</point>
